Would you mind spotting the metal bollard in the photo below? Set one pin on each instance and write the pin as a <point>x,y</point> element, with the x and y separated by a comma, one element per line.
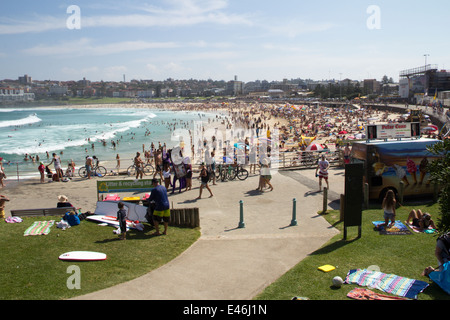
<point>294,212</point>
<point>241,216</point>
<point>325,200</point>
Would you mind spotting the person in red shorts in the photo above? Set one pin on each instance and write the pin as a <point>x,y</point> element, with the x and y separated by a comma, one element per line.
<point>322,167</point>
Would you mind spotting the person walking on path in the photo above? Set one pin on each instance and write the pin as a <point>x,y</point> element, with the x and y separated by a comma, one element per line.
<point>204,176</point>
<point>322,167</point>
<point>162,207</point>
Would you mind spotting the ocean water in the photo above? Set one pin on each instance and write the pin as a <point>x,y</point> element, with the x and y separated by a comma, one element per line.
<point>71,132</point>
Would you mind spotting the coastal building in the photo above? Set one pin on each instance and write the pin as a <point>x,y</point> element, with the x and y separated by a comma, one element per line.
<point>235,87</point>
<point>427,81</point>
<point>371,86</point>
<point>8,94</point>
<point>58,90</point>
<point>25,80</point>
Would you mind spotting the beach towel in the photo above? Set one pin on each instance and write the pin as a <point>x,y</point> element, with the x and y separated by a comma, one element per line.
<point>39,228</point>
<point>389,283</point>
<point>397,229</point>
<point>366,294</point>
<point>13,220</point>
<point>416,229</point>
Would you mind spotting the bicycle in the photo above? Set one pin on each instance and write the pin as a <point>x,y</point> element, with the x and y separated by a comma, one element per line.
<point>241,173</point>
<point>147,170</point>
<point>230,172</point>
<point>223,172</point>
<point>98,171</point>
<point>220,172</point>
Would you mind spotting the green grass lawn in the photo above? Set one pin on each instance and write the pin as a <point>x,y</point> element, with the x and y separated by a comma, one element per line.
<point>31,268</point>
<point>403,255</point>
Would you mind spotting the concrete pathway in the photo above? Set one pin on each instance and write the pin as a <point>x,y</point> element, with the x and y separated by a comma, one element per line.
<point>231,263</point>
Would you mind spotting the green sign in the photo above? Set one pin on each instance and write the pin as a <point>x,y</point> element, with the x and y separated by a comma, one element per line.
<point>124,186</point>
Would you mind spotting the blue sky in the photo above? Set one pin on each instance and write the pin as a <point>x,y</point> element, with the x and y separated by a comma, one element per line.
<point>218,39</point>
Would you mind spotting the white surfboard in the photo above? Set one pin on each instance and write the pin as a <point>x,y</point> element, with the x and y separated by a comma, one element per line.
<point>134,211</point>
<point>82,256</point>
<point>110,220</point>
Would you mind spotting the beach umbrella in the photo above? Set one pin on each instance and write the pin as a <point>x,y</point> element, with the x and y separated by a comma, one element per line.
<point>360,136</point>
<point>314,147</point>
<point>430,128</point>
<point>343,132</point>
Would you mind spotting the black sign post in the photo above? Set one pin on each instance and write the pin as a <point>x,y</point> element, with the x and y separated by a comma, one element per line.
<point>354,196</point>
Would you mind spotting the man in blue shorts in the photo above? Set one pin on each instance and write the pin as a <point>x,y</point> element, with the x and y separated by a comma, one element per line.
<point>162,206</point>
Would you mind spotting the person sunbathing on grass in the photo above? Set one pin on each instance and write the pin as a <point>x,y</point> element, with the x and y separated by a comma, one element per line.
<point>420,220</point>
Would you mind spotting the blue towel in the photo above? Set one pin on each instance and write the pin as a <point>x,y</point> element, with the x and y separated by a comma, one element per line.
<point>398,228</point>
<point>442,278</point>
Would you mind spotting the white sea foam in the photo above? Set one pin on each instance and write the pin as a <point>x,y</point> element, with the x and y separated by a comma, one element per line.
<point>20,122</point>
<point>59,137</point>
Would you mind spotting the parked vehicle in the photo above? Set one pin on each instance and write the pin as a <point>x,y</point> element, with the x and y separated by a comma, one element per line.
<point>388,162</point>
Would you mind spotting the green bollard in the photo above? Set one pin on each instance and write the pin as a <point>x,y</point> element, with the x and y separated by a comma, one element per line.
<point>294,212</point>
<point>241,220</point>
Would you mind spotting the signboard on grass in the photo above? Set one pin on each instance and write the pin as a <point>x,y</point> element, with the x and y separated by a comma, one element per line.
<point>112,186</point>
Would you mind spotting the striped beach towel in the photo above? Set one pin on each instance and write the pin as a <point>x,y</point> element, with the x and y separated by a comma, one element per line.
<point>39,228</point>
<point>389,283</point>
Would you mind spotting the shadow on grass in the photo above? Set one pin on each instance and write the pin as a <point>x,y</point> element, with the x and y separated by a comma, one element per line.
<point>333,246</point>
<point>132,234</point>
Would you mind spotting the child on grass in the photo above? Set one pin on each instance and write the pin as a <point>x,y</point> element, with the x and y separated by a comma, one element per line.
<point>122,218</point>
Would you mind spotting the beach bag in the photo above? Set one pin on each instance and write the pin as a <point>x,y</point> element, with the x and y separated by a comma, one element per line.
<point>149,214</point>
<point>63,225</point>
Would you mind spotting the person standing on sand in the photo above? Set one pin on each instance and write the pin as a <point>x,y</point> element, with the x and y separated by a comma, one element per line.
<point>41,169</point>
<point>2,173</point>
<point>118,163</point>
<point>57,163</point>
<point>88,165</point>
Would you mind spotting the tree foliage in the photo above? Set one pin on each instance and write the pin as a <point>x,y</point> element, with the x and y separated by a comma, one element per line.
<point>440,174</point>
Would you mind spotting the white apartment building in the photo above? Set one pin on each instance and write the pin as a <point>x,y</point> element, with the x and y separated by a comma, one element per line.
<point>15,94</point>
